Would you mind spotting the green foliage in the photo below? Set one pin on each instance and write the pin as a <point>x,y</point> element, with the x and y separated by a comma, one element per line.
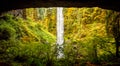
<point>31,42</point>
<point>25,41</point>
<point>87,28</point>
<point>6,32</point>
<point>38,54</point>
<point>113,23</point>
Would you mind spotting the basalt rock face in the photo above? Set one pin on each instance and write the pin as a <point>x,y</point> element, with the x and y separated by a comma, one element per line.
<point>6,5</point>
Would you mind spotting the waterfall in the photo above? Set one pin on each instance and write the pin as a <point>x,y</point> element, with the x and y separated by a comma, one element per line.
<point>60,32</point>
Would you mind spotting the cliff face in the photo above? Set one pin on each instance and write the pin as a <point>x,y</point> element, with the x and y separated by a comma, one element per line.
<point>6,5</point>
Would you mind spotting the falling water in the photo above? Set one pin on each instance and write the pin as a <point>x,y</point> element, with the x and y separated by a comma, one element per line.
<point>60,31</point>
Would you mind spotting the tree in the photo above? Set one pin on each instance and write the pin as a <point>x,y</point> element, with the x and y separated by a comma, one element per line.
<point>113,28</point>
<point>116,32</point>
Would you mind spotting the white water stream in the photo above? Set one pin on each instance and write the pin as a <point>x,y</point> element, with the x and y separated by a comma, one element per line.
<point>60,32</point>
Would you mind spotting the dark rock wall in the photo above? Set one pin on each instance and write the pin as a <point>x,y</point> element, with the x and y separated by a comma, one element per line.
<point>6,5</point>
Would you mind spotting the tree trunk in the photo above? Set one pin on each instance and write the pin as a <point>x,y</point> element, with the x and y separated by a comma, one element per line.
<point>116,31</point>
